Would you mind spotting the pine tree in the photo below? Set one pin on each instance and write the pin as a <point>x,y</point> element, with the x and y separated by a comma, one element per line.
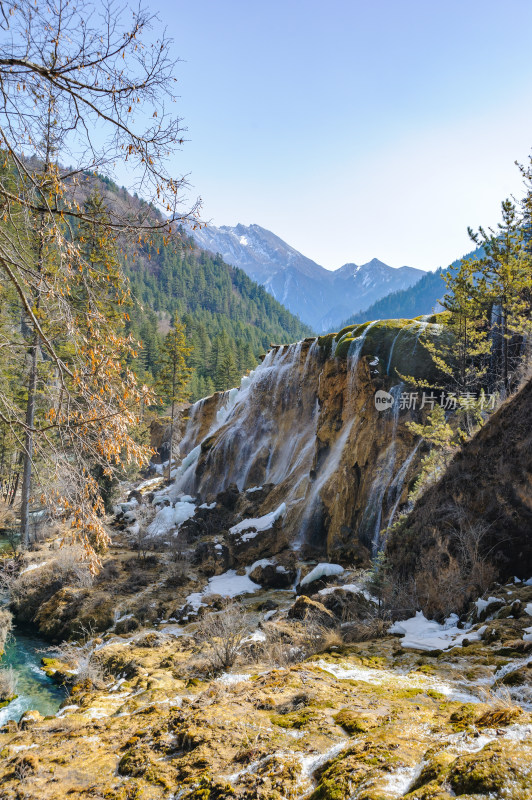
<point>174,374</point>
<point>504,284</point>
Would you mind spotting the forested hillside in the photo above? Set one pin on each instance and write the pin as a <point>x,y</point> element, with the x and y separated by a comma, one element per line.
<point>230,320</point>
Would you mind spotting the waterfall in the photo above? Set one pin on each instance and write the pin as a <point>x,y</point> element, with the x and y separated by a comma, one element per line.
<point>371,522</point>
<point>353,356</point>
<point>329,467</point>
<point>184,475</point>
<point>249,447</point>
<point>396,487</point>
<point>402,330</point>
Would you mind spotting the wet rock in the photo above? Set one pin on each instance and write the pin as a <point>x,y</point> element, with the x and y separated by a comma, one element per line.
<point>135,495</point>
<point>273,576</point>
<point>229,497</point>
<point>489,773</point>
<point>212,558</point>
<point>252,545</point>
<point>346,605</point>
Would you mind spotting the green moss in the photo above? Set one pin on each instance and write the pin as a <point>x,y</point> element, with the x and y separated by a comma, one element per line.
<point>399,338</point>
<point>209,789</point>
<point>342,350</point>
<point>353,722</point>
<point>435,695</point>
<point>296,719</point>
<point>8,700</point>
<point>435,770</point>
<point>464,716</point>
<point>340,777</point>
<point>426,669</point>
<point>489,771</point>
<point>325,342</point>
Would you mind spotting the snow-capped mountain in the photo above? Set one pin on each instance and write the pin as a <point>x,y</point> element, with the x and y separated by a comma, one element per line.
<point>322,298</point>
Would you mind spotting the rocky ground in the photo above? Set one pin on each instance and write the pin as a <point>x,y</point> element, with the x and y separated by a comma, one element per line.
<point>305,710</point>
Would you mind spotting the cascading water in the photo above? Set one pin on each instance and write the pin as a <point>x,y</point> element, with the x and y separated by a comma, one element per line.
<point>326,472</point>
<point>354,354</point>
<point>255,449</point>
<point>396,487</point>
<point>371,523</point>
<point>304,424</point>
<point>34,689</point>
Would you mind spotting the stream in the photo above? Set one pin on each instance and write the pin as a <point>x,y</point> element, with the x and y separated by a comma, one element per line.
<point>35,690</point>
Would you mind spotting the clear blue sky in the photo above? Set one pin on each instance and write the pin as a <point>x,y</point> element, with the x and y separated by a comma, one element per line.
<point>355,129</point>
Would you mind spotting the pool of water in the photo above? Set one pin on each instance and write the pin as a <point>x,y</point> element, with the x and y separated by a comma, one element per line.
<point>35,690</point>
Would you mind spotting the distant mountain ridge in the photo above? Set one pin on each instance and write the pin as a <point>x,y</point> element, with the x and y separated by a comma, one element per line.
<point>423,297</point>
<point>319,297</point>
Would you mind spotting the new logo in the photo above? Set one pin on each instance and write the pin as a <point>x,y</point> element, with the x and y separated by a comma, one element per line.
<point>383,400</point>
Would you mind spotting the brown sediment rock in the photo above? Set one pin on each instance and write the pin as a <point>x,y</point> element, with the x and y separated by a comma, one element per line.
<point>356,720</point>
<point>309,426</point>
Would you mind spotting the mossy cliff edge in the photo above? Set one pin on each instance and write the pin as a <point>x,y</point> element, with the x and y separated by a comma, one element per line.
<point>308,424</point>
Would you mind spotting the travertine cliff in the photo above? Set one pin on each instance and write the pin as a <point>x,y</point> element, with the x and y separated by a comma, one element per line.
<point>306,422</point>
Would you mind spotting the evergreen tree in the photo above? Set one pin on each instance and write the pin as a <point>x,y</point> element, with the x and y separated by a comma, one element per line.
<point>503,283</point>
<point>174,374</point>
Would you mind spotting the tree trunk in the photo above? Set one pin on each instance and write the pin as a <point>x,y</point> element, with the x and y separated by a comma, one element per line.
<point>28,448</point>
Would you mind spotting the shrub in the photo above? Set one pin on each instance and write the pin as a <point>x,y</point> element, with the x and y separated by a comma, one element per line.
<point>6,623</point>
<point>222,634</point>
<point>8,684</point>
<point>83,660</point>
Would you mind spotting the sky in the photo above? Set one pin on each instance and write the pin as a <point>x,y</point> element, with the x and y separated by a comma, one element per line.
<point>354,129</point>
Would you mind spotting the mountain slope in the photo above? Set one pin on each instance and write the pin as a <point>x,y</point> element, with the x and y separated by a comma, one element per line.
<point>423,297</point>
<point>230,319</point>
<point>320,297</point>
<point>482,504</point>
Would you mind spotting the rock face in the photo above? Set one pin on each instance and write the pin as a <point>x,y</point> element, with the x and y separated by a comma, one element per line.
<point>486,491</point>
<point>305,423</point>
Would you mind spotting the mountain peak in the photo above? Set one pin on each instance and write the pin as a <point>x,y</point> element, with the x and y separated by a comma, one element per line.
<point>322,298</point>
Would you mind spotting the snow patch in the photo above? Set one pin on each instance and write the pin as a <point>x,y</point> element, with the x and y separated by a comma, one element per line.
<point>171,517</point>
<point>482,604</point>
<point>322,571</point>
<point>257,524</point>
<point>420,633</point>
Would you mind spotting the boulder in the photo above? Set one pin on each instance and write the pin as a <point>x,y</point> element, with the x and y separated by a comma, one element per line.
<point>273,576</point>
<point>29,719</point>
<point>309,610</point>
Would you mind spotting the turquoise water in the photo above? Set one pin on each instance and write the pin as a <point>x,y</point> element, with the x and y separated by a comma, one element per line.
<point>34,689</point>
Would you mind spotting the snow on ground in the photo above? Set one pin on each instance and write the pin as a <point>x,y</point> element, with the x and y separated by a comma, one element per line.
<point>482,604</point>
<point>528,609</point>
<point>257,524</point>
<point>149,482</point>
<point>230,678</point>
<point>355,588</point>
<point>322,571</point>
<point>420,633</point>
<point>231,585</point>
<point>227,585</point>
<point>31,567</point>
<point>170,517</point>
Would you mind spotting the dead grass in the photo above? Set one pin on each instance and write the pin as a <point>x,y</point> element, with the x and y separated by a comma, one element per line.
<point>503,710</point>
